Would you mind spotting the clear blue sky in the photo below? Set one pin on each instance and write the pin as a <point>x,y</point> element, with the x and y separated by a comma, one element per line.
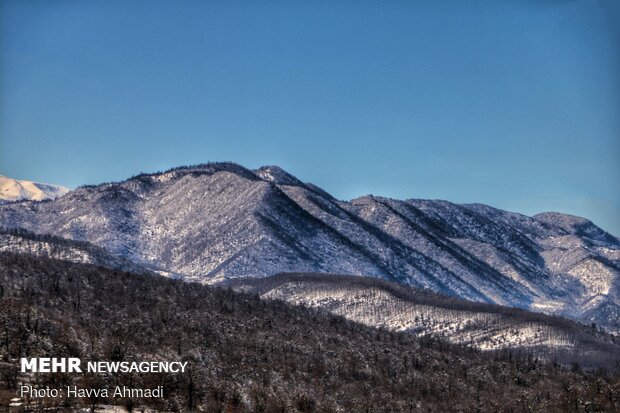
<point>511,103</point>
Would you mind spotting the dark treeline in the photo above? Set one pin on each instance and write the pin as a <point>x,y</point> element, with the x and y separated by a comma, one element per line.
<point>251,355</point>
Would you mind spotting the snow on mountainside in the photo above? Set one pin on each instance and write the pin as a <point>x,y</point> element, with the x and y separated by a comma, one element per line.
<point>16,190</point>
<point>49,246</point>
<point>217,221</point>
<point>399,308</point>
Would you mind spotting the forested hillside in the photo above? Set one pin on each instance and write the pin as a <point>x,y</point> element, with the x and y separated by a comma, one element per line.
<point>396,307</point>
<point>252,355</point>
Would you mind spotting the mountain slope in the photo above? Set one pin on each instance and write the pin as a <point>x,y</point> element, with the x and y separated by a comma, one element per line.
<point>18,190</point>
<point>217,221</point>
<point>48,246</point>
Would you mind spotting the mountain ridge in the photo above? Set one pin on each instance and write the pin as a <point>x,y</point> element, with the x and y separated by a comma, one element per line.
<point>214,221</point>
<point>395,307</point>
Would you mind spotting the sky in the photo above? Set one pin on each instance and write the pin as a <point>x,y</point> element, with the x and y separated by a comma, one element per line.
<point>515,104</point>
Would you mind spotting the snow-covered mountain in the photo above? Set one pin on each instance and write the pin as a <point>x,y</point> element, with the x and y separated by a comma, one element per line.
<point>394,307</point>
<point>217,221</point>
<point>17,190</point>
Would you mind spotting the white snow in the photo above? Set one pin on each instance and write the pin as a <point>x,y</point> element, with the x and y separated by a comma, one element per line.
<point>19,190</point>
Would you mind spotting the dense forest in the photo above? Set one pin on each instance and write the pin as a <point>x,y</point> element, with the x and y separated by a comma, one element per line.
<point>251,355</point>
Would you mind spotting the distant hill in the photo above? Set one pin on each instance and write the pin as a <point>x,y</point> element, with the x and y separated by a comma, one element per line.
<point>20,241</point>
<point>394,307</point>
<point>18,190</point>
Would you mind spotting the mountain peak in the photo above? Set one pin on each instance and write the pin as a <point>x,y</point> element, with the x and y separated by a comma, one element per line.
<point>177,172</point>
<point>277,175</point>
<point>576,225</point>
<point>21,190</point>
